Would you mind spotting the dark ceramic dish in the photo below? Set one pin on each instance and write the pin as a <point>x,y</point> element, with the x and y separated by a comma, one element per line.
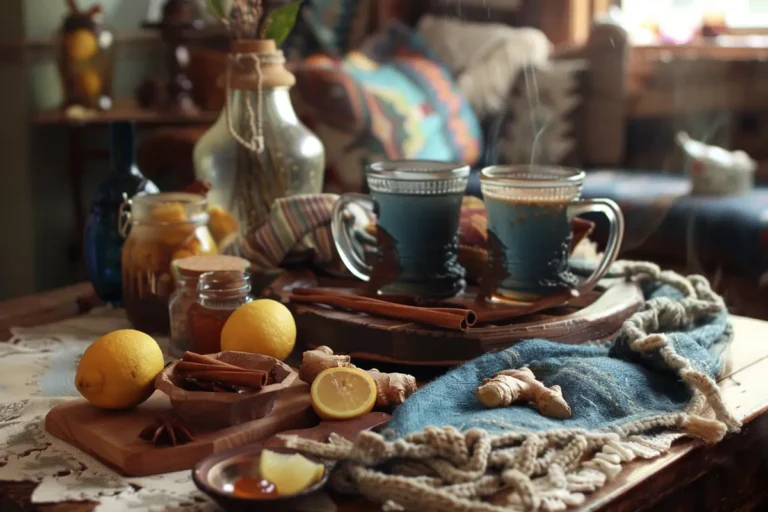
<point>221,410</point>
<point>216,475</point>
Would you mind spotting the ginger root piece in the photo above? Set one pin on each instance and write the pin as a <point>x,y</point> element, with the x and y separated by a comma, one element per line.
<point>313,362</point>
<point>391,388</point>
<point>510,386</point>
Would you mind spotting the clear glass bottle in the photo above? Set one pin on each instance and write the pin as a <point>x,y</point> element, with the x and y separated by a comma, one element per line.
<point>163,228</point>
<point>246,182</point>
<point>219,294</point>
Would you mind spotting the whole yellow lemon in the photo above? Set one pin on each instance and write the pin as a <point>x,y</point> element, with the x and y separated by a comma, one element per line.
<point>118,370</point>
<point>81,44</point>
<point>260,327</point>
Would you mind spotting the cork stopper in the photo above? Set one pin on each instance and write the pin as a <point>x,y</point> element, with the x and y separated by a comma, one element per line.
<point>243,71</point>
<point>195,266</point>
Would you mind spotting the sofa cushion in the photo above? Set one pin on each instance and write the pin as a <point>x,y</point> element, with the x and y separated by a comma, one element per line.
<point>486,58</point>
<point>540,124</point>
<point>391,100</point>
<point>664,221</point>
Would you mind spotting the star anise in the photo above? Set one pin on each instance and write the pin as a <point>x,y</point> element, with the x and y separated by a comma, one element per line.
<point>166,432</point>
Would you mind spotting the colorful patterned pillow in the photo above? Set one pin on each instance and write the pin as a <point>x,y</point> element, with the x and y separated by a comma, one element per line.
<point>391,100</point>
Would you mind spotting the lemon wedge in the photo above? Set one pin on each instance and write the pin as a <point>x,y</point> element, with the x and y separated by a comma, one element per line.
<point>290,473</point>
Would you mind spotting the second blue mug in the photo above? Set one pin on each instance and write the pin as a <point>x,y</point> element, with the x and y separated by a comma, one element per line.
<point>530,208</point>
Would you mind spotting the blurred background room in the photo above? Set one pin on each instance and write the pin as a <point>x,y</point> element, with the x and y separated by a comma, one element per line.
<point>647,95</point>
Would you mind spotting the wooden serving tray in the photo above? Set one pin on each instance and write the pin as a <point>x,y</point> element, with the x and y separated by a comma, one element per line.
<point>595,316</point>
<point>113,436</point>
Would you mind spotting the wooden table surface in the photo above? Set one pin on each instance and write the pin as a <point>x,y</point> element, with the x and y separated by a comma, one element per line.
<point>730,475</point>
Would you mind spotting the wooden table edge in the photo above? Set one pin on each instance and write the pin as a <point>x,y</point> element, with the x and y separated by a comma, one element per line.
<point>57,305</point>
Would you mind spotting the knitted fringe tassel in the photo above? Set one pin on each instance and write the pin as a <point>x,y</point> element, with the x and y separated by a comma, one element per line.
<point>442,469</point>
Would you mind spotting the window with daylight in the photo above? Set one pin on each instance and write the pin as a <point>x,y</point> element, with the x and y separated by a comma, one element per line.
<point>738,14</point>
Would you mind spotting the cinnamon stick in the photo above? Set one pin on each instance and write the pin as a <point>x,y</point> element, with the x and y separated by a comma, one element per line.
<point>454,319</point>
<point>188,366</point>
<point>408,300</point>
<point>467,314</point>
<point>500,312</point>
<point>192,357</point>
<point>255,379</point>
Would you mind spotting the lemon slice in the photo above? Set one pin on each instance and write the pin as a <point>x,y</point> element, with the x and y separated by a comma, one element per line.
<point>289,473</point>
<point>343,393</point>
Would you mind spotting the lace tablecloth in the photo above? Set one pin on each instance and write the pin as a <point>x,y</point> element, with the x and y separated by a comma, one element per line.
<point>38,372</point>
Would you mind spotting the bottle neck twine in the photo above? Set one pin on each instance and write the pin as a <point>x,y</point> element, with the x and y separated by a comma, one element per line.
<point>255,117</point>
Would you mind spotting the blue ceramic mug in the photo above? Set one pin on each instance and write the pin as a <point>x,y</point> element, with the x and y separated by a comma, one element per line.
<point>417,205</point>
<point>530,208</point>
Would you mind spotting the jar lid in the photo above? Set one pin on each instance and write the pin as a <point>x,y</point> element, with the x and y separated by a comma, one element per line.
<point>195,266</point>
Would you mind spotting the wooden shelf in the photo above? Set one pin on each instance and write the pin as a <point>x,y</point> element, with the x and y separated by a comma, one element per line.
<point>125,110</point>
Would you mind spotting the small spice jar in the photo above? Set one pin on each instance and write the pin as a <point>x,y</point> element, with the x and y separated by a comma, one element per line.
<point>188,272</point>
<point>219,294</point>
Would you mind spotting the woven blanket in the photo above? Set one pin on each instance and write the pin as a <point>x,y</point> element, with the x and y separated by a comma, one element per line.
<point>630,398</point>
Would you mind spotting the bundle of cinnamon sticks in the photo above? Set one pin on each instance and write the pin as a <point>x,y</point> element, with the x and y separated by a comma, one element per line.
<point>204,373</point>
<point>449,318</point>
<point>456,318</point>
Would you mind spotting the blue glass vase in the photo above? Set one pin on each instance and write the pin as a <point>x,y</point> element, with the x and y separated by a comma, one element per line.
<point>103,240</point>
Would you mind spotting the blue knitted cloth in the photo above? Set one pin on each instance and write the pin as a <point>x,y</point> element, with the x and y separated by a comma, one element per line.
<point>604,385</point>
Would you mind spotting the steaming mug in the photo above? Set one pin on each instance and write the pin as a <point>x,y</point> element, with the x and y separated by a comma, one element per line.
<point>530,208</point>
<point>417,204</point>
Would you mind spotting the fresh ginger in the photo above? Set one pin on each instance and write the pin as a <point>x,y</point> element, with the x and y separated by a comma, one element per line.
<point>313,362</point>
<point>391,388</point>
<point>510,386</point>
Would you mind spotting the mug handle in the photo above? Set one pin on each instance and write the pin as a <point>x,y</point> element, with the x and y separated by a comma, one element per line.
<point>615,235</point>
<point>342,234</point>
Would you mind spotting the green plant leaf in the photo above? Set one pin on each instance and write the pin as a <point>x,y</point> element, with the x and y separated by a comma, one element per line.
<point>280,22</point>
<point>216,8</point>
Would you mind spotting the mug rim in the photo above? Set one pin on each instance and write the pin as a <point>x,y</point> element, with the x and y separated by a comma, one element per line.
<point>514,176</point>
<point>417,170</point>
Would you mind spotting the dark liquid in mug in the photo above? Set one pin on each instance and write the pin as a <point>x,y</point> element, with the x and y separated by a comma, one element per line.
<point>535,237</point>
<point>425,232</point>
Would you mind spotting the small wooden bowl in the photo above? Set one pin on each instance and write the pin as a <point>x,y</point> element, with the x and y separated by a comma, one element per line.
<point>216,475</point>
<point>220,409</point>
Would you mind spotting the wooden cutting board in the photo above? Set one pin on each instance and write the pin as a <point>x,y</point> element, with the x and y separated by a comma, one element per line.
<point>113,436</point>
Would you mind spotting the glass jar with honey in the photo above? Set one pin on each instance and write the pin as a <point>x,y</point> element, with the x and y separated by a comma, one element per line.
<point>219,294</point>
<point>163,228</point>
<point>187,272</point>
